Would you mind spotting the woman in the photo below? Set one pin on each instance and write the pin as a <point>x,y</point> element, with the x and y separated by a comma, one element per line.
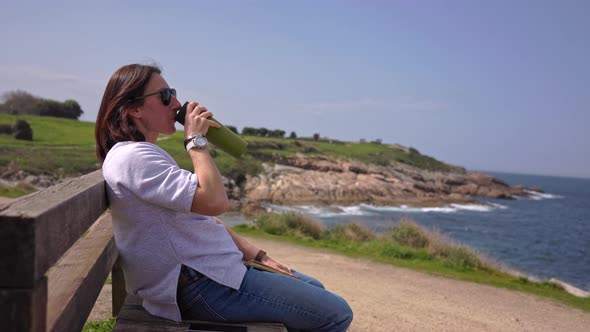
<point>184,263</point>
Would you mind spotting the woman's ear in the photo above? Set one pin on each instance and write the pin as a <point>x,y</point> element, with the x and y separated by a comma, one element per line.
<point>134,112</point>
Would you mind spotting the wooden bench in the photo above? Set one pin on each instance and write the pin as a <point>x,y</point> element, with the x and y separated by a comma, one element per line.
<point>56,251</point>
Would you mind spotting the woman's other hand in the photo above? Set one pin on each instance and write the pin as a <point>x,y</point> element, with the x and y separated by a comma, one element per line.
<point>266,260</point>
<point>197,120</point>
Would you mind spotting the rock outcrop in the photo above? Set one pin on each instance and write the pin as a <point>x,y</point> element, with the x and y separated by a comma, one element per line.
<point>321,180</point>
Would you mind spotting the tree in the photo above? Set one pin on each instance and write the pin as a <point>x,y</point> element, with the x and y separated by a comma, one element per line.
<point>249,131</point>
<point>69,109</point>
<point>22,102</point>
<point>19,102</point>
<point>232,128</point>
<point>276,133</point>
<point>262,132</point>
<point>48,107</point>
<point>292,135</point>
<point>73,109</point>
<point>22,130</point>
<point>377,141</point>
<point>316,137</point>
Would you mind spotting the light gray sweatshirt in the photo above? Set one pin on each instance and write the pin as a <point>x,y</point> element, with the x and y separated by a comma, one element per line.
<point>150,198</point>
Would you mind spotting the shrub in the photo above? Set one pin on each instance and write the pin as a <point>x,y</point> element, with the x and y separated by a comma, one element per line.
<point>251,209</point>
<point>395,250</point>
<point>304,225</point>
<point>22,130</point>
<point>437,245</point>
<point>270,223</point>
<point>456,255</point>
<point>353,232</point>
<point>6,129</point>
<point>237,169</point>
<point>409,233</point>
<point>289,223</point>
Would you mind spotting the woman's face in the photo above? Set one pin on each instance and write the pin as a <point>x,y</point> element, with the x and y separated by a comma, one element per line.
<point>153,117</point>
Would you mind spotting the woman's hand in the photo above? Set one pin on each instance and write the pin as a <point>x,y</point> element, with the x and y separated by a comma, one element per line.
<point>197,121</point>
<point>266,260</point>
<point>210,198</point>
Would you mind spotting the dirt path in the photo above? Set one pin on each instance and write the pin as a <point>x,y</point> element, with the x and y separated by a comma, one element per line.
<point>5,200</point>
<point>387,298</point>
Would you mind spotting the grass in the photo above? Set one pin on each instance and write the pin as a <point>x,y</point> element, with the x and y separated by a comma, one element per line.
<point>21,189</point>
<point>380,154</point>
<point>406,245</point>
<point>60,147</point>
<point>99,326</point>
<point>65,147</point>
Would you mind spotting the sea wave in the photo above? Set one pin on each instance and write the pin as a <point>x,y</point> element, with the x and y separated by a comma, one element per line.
<point>408,209</point>
<point>498,206</point>
<point>368,209</point>
<point>442,209</point>
<point>320,211</point>
<point>537,196</point>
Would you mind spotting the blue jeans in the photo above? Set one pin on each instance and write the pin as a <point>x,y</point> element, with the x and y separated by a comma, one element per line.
<point>263,296</point>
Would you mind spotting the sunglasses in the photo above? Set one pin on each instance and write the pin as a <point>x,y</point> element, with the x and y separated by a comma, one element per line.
<point>166,95</point>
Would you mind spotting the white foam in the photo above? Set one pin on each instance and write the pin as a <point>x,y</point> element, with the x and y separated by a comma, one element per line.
<point>277,208</point>
<point>473,207</point>
<point>368,209</point>
<point>355,210</point>
<point>537,196</point>
<point>320,211</point>
<point>444,209</point>
<point>498,206</point>
<point>578,292</point>
<point>376,208</point>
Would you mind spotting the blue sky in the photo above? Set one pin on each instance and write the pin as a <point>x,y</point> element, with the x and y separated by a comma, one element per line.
<point>488,85</point>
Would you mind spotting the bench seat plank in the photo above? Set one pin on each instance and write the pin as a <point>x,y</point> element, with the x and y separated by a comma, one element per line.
<point>133,317</point>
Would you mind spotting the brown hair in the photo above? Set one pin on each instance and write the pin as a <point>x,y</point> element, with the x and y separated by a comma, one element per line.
<point>113,124</point>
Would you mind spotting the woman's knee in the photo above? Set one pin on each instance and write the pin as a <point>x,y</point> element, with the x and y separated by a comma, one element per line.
<point>338,314</point>
<point>310,280</point>
<point>344,317</point>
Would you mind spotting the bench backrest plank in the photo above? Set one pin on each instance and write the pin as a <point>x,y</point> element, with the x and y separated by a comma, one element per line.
<point>35,232</point>
<point>38,229</point>
<point>76,280</point>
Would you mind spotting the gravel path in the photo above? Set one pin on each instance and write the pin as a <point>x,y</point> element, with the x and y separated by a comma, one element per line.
<point>388,298</point>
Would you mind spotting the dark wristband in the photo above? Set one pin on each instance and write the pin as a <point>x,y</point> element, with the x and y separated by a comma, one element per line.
<point>260,255</point>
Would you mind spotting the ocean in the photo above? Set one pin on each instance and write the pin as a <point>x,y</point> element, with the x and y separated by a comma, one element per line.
<point>545,236</point>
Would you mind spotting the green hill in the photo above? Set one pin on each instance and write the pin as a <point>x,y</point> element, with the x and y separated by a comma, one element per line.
<point>63,147</point>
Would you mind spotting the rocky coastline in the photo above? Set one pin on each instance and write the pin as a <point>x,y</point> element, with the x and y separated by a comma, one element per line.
<point>318,180</point>
<point>303,180</point>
